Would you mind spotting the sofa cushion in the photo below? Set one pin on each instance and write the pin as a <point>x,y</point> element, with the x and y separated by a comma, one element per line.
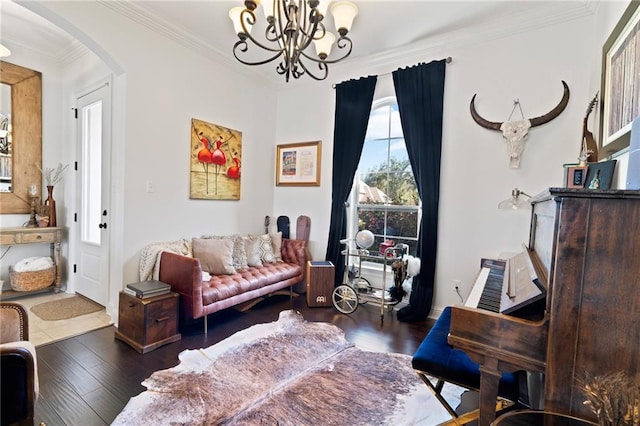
<point>221,287</point>
<point>276,245</point>
<point>265,247</point>
<point>239,252</point>
<point>252,249</point>
<point>215,255</point>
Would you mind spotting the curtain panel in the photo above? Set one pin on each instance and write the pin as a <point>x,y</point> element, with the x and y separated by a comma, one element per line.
<point>420,93</point>
<point>353,106</point>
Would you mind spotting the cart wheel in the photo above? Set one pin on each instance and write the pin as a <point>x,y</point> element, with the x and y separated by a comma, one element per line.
<point>345,299</point>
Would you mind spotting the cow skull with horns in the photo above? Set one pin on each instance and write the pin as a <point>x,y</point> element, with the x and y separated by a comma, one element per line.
<point>515,132</point>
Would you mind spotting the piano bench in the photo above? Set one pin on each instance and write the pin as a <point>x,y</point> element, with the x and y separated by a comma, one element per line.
<point>436,358</point>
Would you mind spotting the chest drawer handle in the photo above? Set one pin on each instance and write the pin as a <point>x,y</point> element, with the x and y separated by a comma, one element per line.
<point>131,304</point>
<point>39,237</point>
<point>161,319</point>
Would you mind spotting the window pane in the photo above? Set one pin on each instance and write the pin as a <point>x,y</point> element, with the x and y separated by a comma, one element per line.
<point>401,189</point>
<point>378,127</point>
<point>372,189</point>
<point>374,155</point>
<point>402,224</point>
<point>92,167</point>
<point>395,126</point>
<point>386,183</point>
<point>398,156</point>
<point>373,220</point>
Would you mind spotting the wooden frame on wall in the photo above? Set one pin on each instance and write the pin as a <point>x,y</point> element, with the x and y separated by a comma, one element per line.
<point>298,164</point>
<point>620,87</point>
<point>26,135</point>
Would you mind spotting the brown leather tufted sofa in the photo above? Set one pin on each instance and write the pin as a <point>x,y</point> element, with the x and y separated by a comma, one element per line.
<point>200,298</point>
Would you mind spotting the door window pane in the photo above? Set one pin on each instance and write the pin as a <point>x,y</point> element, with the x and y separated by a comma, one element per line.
<point>91,201</point>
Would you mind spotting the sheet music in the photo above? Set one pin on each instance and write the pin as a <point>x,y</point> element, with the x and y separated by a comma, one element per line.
<point>522,280</point>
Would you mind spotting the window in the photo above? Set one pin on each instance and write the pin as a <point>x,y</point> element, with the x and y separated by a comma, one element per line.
<point>385,196</point>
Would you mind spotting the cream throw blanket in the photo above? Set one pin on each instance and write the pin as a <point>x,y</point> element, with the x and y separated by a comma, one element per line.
<point>149,268</point>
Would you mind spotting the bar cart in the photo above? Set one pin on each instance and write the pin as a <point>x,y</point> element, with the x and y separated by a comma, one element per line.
<point>356,290</point>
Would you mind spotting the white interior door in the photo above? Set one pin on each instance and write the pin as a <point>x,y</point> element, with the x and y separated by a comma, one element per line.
<point>91,263</point>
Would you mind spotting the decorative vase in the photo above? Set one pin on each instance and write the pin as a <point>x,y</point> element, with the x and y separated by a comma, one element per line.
<point>51,203</point>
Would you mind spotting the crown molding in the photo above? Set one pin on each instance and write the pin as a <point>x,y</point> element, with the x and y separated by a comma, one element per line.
<point>60,58</point>
<point>502,26</point>
<point>505,26</point>
<point>148,19</point>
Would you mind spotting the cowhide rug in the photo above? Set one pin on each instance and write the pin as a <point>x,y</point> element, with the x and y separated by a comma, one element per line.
<point>289,372</point>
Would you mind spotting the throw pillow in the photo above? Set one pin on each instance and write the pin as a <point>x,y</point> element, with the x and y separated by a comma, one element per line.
<point>265,248</point>
<point>252,248</point>
<point>239,251</point>
<point>215,256</point>
<point>276,244</point>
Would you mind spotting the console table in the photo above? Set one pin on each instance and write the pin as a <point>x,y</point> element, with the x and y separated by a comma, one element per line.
<point>51,236</point>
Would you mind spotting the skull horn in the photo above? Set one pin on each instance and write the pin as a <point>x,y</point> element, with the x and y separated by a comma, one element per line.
<point>534,121</point>
<point>481,121</point>
<point>554,112</point>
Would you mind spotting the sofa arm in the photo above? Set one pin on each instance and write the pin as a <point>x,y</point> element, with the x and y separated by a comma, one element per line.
<point>184,274</point>
<point>294,251</point>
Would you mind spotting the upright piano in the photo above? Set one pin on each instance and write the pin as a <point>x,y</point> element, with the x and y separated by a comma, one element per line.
<point>585,248</point>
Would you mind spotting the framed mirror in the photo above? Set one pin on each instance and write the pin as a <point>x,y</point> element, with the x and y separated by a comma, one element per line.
<point>22,146</point>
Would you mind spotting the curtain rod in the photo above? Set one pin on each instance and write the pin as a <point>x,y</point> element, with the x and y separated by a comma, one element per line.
<point>448,60</point>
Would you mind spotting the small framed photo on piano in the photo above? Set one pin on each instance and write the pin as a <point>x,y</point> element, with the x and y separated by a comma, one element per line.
<point>576,176</point>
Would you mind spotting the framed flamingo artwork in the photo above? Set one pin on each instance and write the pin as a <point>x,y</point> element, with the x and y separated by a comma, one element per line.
<point>216,161</point>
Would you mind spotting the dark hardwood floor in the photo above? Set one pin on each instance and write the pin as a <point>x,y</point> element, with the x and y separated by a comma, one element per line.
<point>88,379</point>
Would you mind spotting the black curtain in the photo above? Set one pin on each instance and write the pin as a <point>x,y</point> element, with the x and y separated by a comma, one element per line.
<point>353,106</point>
<point>420,91</point>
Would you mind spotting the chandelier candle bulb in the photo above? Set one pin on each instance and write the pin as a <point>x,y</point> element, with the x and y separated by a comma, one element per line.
<point>343,13</point>
<point>323,46</point>
<point>322,7</point>
<point>234,14</point>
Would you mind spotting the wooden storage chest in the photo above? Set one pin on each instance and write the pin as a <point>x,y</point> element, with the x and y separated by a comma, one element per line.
<point>146,324</point>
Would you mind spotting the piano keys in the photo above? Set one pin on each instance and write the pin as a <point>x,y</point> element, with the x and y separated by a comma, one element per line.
<point>506,285</point>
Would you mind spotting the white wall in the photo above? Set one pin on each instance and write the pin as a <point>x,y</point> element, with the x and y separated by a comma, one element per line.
<point>165,85</point>
<point>475,175</point>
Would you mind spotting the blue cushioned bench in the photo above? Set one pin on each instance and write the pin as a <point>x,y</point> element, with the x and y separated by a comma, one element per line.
<point>435,358</point>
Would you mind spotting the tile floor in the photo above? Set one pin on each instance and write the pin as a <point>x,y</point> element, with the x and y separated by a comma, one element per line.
<point>42,332</point>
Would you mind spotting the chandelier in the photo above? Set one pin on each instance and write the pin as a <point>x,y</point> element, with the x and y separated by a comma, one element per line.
<point>291,26</point>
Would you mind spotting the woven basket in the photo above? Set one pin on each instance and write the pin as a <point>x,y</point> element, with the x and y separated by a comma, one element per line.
<point>32,280</point>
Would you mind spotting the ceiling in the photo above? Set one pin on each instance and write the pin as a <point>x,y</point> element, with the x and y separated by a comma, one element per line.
<point>381,31</point>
